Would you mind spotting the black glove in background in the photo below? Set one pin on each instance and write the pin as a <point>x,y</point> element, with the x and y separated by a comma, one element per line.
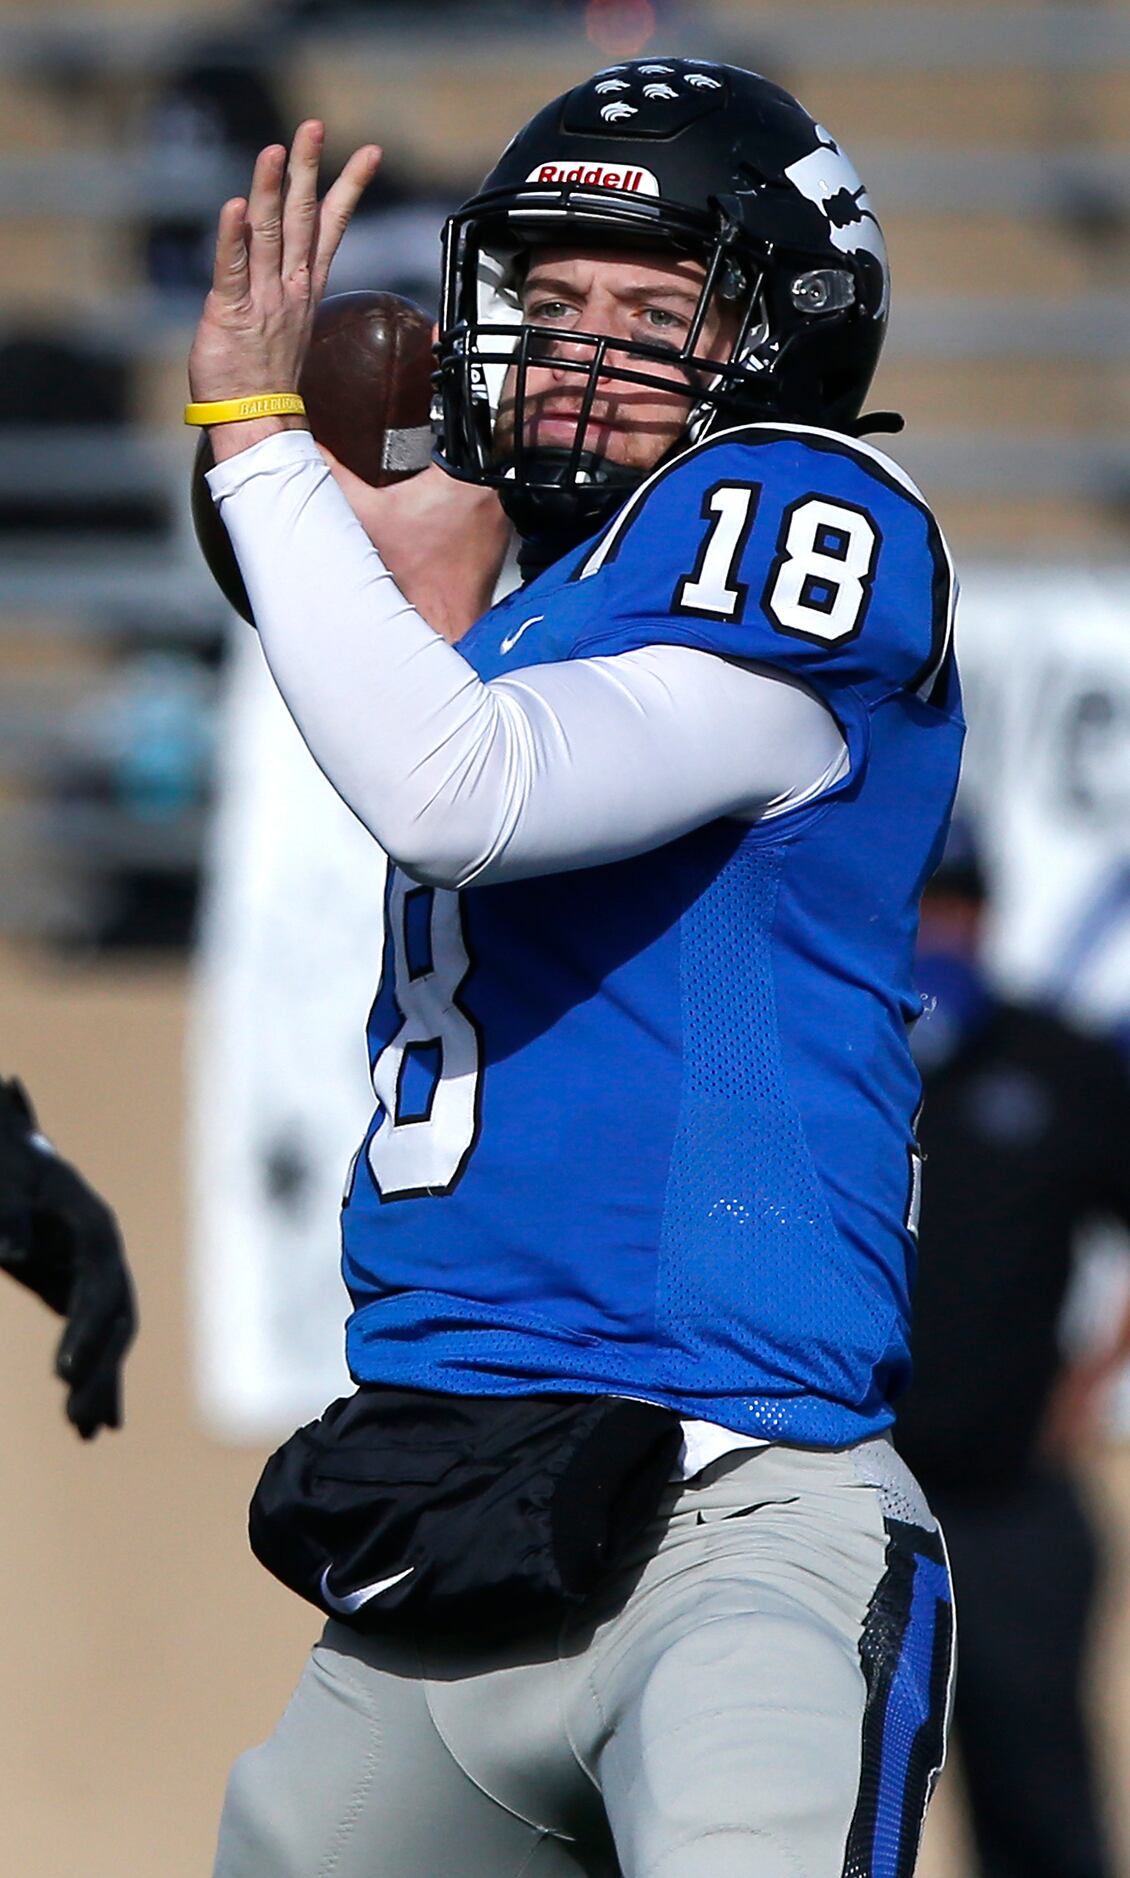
<point>61,1241</point>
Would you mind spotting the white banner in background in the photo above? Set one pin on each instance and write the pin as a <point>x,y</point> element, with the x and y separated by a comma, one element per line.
<point>280,1097</point>
<point>1045,661</point>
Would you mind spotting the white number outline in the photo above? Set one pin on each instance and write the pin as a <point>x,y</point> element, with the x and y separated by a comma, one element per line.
<point>710,591</point>
<point>851,574</point>
<point>428,1154</point>
<point>917,1161</point>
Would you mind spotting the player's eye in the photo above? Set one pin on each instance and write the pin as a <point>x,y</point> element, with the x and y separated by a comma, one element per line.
<point>661,319</point>
<point>545,312</point>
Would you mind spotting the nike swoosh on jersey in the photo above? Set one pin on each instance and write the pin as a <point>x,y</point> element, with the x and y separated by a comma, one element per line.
<point>511,639</point>
<point>351,1601</point>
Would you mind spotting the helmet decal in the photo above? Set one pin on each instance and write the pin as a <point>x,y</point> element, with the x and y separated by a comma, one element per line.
<point>829,180</point>
<point>601,175</point>
<point>652,100</point>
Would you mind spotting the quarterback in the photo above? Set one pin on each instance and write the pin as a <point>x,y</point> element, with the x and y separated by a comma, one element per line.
<point>644,1125</point>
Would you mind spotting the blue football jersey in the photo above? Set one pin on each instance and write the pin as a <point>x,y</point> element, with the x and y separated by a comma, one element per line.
<point>646,1128</point>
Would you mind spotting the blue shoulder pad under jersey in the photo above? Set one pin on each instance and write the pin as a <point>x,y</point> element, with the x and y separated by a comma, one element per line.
<point>785,545</point>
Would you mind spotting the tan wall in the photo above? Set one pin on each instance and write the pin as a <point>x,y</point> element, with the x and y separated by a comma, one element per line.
<point>142,1645</point>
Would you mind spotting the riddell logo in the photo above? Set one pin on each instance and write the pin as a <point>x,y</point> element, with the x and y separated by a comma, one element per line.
<point>639,182</point>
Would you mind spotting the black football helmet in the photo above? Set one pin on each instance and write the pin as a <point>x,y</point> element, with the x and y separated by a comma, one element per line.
<point>681,154</point>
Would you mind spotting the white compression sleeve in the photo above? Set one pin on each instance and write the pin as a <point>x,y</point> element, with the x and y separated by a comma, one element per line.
<point>560,766</point>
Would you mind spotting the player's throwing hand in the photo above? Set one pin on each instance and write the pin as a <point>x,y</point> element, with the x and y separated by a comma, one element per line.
<point>273,255</point>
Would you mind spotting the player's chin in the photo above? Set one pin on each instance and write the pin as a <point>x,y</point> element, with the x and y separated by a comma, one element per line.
<point>559,433</point>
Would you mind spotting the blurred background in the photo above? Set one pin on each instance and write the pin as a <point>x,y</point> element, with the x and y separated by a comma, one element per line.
<point>190,922</point>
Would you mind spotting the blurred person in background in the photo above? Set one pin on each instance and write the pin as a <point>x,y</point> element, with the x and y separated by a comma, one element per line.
<point>206,122</point>
<point>1026,1135</point>
<point>61,1240</point>
<point>212,112</point>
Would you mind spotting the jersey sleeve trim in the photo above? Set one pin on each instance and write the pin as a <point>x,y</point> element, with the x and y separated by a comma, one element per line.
<point>930,675</point>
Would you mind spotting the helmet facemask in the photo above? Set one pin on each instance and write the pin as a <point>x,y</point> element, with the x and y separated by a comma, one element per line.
<point>486,349</point>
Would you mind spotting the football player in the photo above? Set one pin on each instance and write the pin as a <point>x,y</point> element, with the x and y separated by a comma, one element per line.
<point>659,823</point>
<point>61,1240</point>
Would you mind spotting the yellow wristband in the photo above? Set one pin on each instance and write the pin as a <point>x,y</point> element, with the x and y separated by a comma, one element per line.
<point>238,410</point>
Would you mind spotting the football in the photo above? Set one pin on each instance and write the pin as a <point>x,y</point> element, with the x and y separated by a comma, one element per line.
<point>367,387</point>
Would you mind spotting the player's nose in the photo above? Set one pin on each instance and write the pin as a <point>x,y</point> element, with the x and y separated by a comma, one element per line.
<point>607,323</point>
<point>564,353</point>
<point>572,362</point>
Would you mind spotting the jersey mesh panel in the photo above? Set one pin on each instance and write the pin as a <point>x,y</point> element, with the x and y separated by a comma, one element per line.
<point>750,1261</point>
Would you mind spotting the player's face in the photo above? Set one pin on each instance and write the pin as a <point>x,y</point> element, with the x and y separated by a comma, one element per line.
<point>636,296</point>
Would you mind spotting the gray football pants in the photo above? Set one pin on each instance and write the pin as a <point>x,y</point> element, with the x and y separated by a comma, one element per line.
<point>760,1694</point>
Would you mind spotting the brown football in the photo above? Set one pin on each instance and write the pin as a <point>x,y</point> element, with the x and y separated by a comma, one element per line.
<point>367,387</point>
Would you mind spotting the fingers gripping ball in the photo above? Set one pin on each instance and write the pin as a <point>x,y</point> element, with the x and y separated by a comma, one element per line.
<point>367,387</point>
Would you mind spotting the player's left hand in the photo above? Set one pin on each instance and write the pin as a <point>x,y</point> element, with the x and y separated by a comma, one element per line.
<point>61,1240</point>
<point>273,255</point>
<point>443,541</point>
